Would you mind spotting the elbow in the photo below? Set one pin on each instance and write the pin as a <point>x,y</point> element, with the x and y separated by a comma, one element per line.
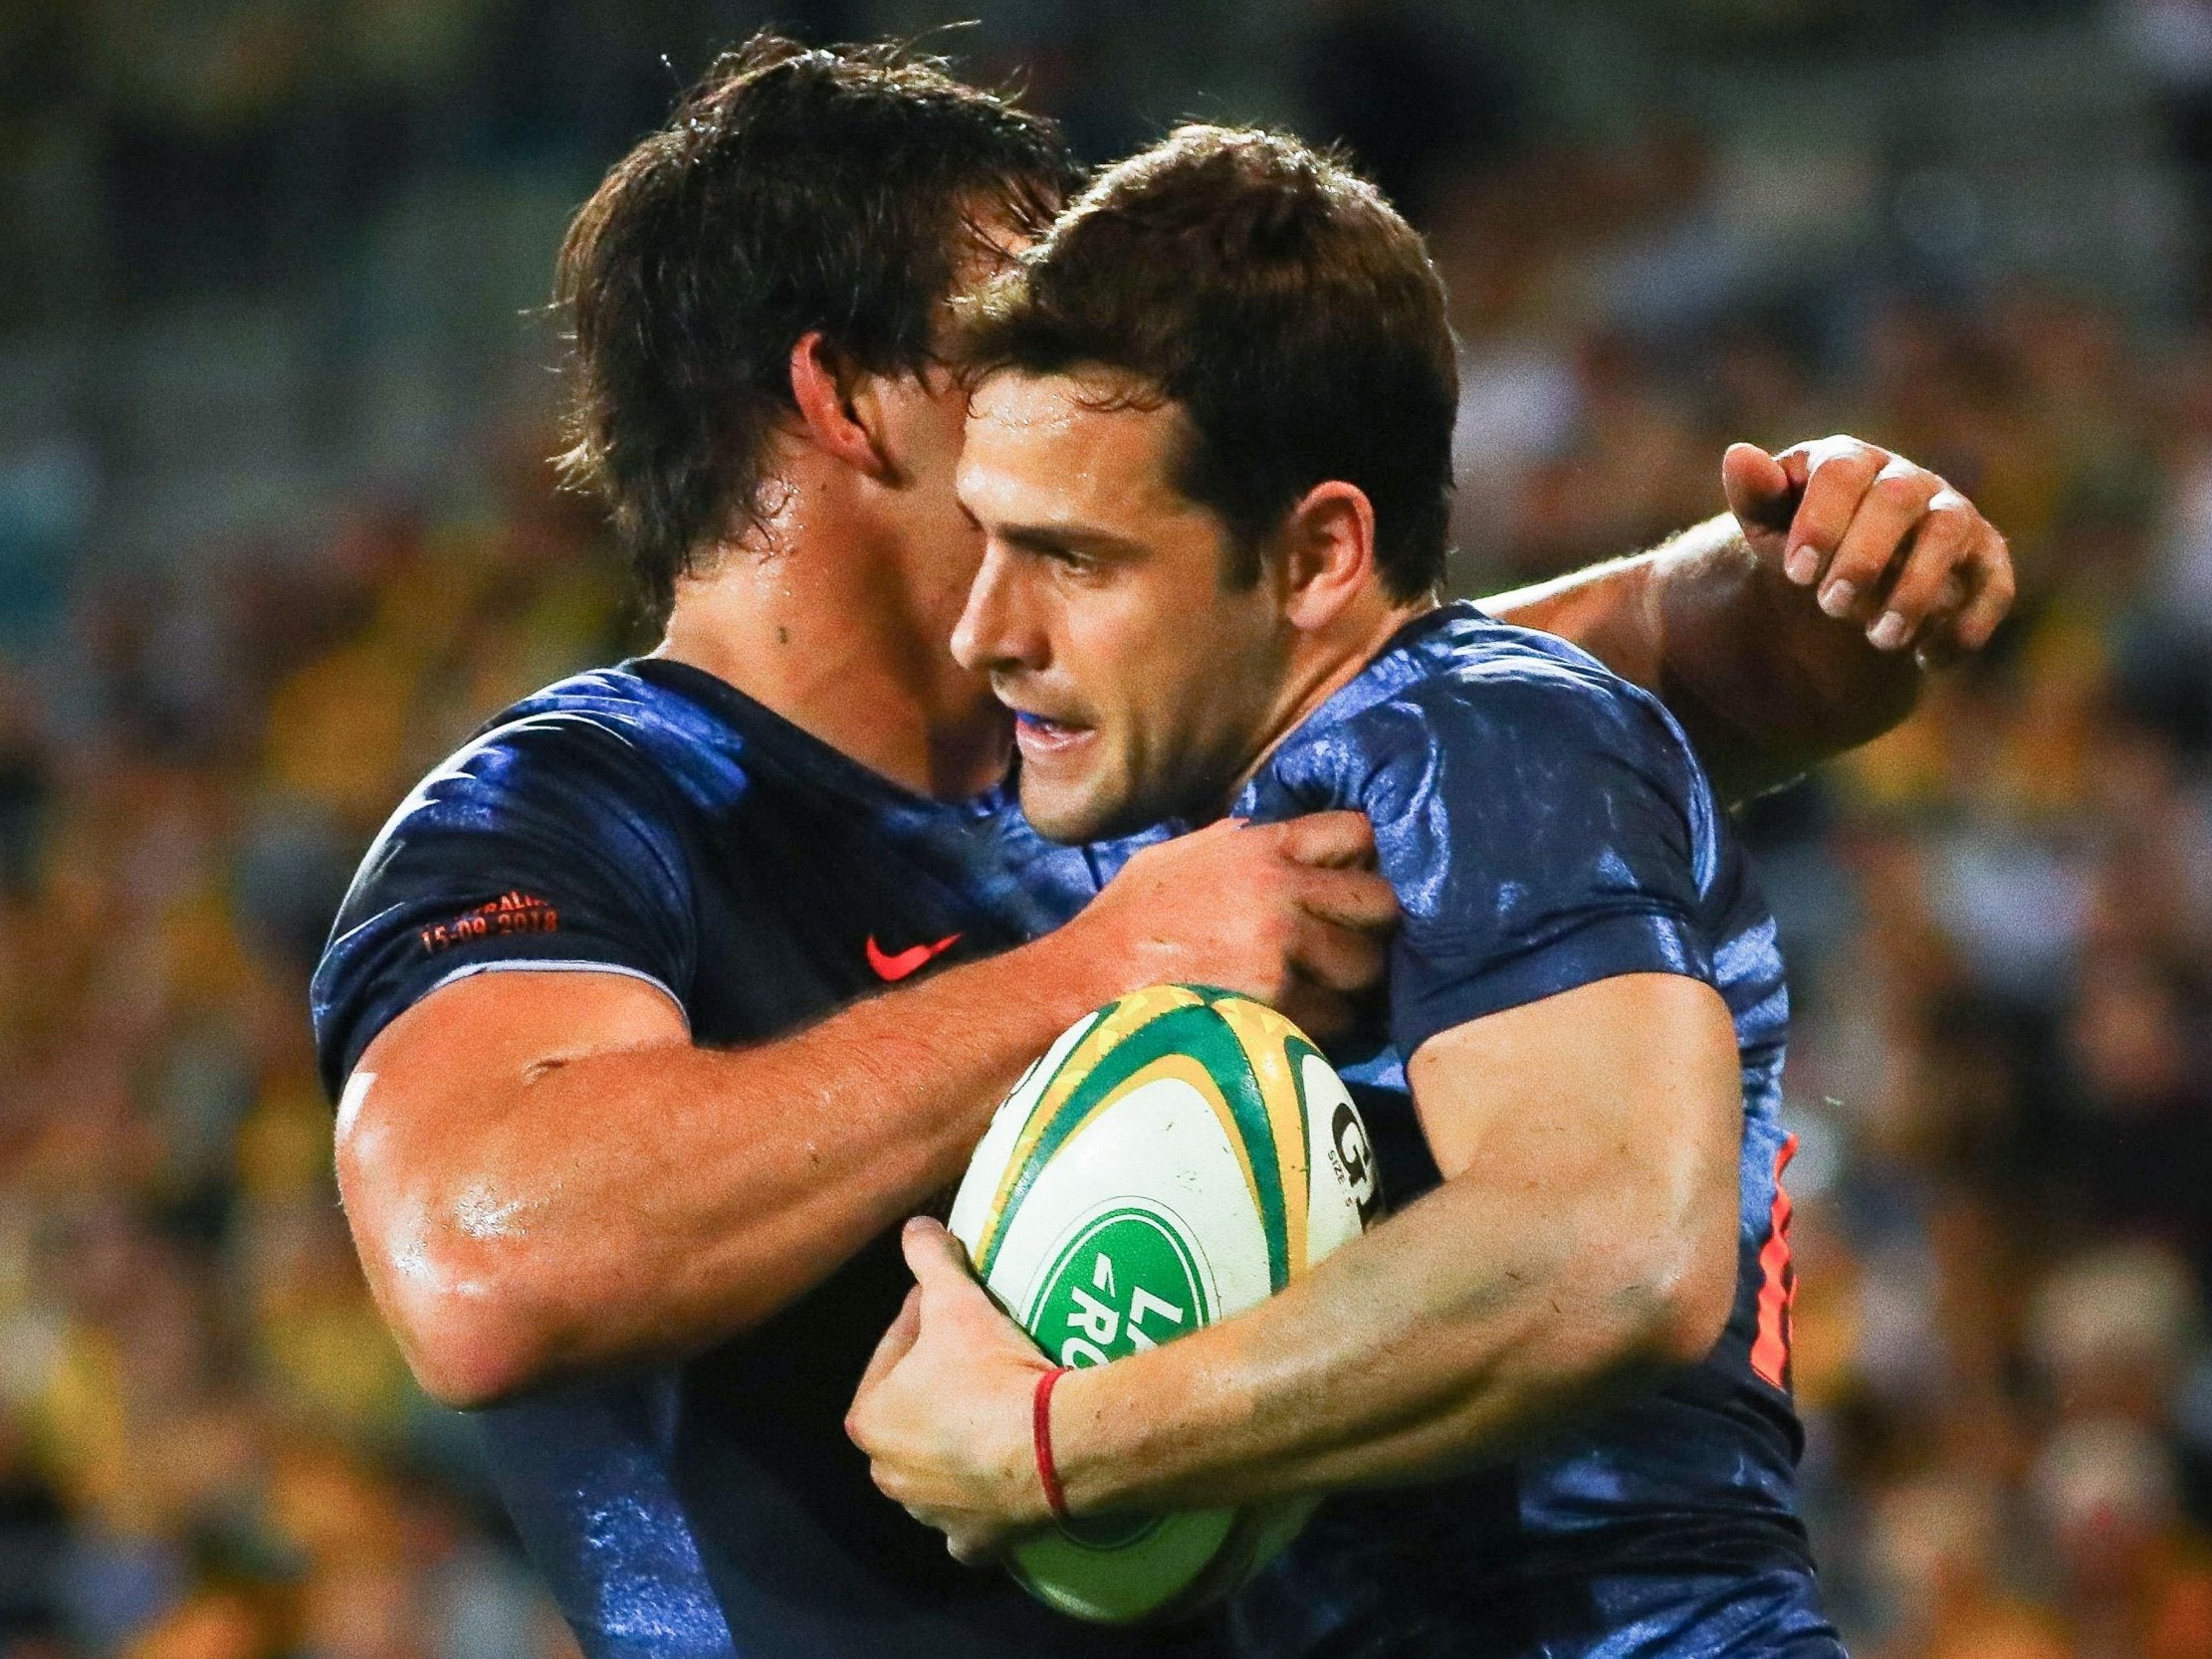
<point>1662,1310</point>
<point>460,1304</point>
<point>1692,1302</point>
<point>1653,1311</point>
<point>467,1342</point>
<point>461,1313</point>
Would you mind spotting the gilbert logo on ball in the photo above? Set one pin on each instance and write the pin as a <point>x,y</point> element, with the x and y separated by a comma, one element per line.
<point>1174,1159</point>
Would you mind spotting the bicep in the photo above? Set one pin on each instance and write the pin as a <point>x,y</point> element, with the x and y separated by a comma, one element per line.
<point>493,1023</point>
<point>448,1065</point>
<point>1627,1086</point>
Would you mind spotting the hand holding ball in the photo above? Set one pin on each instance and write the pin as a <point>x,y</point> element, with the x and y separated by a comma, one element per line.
<point>1174,1159</point>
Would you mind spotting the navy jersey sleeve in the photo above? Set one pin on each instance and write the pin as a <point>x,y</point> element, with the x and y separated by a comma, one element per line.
<point>547,844</point>
<point>1543,831</point>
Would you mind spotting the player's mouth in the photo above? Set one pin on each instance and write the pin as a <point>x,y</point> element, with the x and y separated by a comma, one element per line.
<point>1041,738</point>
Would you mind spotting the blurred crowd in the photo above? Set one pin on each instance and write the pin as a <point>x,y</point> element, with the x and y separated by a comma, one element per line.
<point>1998,922</point>
<point>208,1446</point>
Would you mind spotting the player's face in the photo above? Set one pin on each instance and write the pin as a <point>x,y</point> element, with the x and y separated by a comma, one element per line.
<point>924,417</point>
<point>1143,687</point>
<point>925,414</point>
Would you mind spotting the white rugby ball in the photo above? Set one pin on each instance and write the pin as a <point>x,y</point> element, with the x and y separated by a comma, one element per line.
<point>1174,1159</point>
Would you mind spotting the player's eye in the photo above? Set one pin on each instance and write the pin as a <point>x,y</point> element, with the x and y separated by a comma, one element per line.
<point>1085,569</point>
<point>1070,560</point>
<point>1051,551</point>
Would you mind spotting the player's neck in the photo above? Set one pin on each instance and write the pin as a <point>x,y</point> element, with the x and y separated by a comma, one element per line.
<point>823,628</point>
<point>1326,666</point>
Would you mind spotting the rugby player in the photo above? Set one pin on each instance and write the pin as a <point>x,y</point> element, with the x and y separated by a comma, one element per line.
<point>625,1129</point>
<point>1208,450</point>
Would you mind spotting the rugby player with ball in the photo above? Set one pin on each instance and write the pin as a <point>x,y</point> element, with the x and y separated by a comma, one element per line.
<point>659,1005</point>
<point>1208,450</point>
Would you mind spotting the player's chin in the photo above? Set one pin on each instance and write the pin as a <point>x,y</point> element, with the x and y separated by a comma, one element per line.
<point>1067,809</point>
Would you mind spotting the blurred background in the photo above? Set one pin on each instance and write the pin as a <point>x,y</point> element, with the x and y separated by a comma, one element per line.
<point>276,531</point>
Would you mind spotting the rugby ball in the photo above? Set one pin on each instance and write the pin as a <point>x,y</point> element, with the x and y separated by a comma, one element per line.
<point>1174,1157</point>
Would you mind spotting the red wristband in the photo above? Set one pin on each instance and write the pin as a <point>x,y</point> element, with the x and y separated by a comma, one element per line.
<point>1040,1429</point>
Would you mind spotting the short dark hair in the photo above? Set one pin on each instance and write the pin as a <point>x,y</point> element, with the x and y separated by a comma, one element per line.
<point>792,189</point>
<point>1282,301</point>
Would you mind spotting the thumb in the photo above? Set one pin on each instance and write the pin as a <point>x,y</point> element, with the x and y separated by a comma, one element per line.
<point>1758,488</point>
<point>939,1261</point>
<point>897,1343</point>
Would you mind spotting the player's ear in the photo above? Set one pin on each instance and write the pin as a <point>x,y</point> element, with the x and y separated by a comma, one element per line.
<point>1328,557</point>
<point>839,406</point>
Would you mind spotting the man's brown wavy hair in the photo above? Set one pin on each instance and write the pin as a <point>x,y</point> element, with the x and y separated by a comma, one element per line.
<point>1281,303</point>
<point>794,188</point>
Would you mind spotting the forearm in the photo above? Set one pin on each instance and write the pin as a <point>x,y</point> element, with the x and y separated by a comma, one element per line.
<point>1763,681</point>
<point>624,1204</point>
<point>1452,1336</point>
<point>764,1168</point>
<point>545,1176</point>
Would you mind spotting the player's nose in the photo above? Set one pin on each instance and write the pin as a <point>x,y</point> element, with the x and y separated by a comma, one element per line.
<point>995,630</point>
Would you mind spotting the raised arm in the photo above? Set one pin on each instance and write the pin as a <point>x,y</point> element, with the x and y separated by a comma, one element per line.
<point>544,1176</point>
<point>1581,1247</point>
<point>1798,624</point>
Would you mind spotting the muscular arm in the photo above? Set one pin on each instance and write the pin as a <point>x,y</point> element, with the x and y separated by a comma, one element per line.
<point>1763,681</point>
<point>544,1176</point>
<point>1581,1246</point>
<point>1722,621</point>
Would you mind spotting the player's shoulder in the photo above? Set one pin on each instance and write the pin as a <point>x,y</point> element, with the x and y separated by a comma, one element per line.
<point>579,736</point>
<point>1467,664</point>
<point>605,760</point>
<point>552,836</point>
<point>1456,683</point>
<point>638,730</point>
<point>635,708</point>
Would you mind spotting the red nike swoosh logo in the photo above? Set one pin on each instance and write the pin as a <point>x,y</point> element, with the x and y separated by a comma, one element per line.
<point>897,964</point>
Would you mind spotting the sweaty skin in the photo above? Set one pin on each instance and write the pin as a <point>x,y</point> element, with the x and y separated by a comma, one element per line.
<point>1715,623</point>
<point>561,1176</point>
<point>554,1178</point>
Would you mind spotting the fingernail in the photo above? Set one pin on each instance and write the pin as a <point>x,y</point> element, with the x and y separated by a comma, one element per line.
<point>1836,596</point>
<point>1888,633</point>
<point>1802,566</point>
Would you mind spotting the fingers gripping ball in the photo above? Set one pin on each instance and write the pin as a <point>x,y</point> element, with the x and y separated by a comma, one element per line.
<point>1174,1159</point>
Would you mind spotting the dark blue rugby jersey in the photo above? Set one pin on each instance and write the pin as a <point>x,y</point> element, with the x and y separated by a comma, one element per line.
<point>651,820</point>
<point>716,1507</point>
<point>1545,825</point>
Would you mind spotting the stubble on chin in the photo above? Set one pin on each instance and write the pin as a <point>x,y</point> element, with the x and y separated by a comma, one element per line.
<point>1071,818</point>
